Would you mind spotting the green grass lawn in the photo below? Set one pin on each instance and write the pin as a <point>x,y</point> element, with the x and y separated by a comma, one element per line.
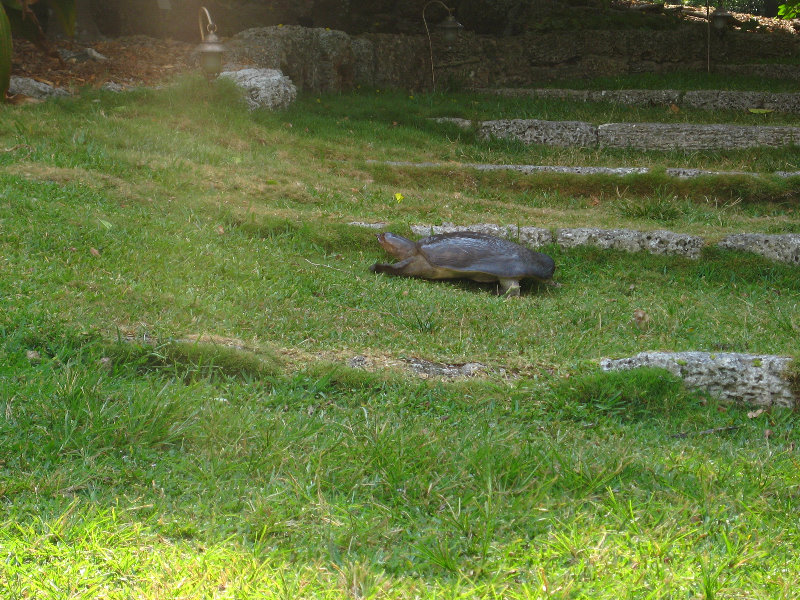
<point>180,291</point>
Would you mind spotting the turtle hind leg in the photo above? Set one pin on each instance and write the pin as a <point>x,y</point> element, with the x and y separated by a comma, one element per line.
<point>509,287</point>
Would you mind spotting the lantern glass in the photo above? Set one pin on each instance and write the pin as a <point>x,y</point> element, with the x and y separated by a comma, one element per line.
<point>211,56</point>
<point>210,48</point>
<point>450,28</point>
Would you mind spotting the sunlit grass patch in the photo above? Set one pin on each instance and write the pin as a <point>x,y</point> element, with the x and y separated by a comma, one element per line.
<point>180,295</point>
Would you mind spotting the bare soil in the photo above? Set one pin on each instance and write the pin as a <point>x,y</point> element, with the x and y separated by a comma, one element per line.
<point>130,61</point>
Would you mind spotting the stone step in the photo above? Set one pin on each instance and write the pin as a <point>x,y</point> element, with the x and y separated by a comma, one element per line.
<point>638,136</point>
<point>759,380</point>
<point>777,247</point>
<point>786,102</point>
<point>679,172</point>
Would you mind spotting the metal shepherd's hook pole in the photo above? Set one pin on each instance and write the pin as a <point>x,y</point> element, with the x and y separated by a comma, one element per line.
<point>428,33</point>
<point>210,28</point>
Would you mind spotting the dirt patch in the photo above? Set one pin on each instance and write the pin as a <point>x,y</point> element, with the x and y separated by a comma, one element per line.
<point>130,61</point>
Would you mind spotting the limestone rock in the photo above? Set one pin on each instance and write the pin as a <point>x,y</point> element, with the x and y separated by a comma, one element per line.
<point>393,61</point>
<point>504,231</point>
<point>702,99</point>
<point>111,86</point>
<point>728,100</point>
<point>535,131</point>
<point>689,136</point>
<point>529,236</point>
<point>376,225</point>
<point>320,60</point>
<point>655,242</point>
<point>458,122</point>
<point>784,247</point>
<point>35,89</point>
<point>427,368</point>
<point>760,380</point>
<point>684,173</point>
<point>528,169</point>
<point>264,88</point>
<point>535,236</point>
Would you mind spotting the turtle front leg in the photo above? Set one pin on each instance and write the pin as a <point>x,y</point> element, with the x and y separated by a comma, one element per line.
<point>397,269</point>
<point>509,288</point>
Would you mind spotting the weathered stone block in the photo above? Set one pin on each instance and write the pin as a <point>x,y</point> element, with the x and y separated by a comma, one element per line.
<point>655,242</point>
<point>684,136</point>
<point>315,59</point>
<point>728,100</point>
<point>529,236</point>
<point>761,380</point>
<point>264,88</point>
<point>534,131</point>
<point>783,247</point>
<point>35,89</point>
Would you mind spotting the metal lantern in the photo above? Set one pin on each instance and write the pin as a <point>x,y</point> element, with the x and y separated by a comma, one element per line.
<point>210,47</point>
<point>720,19</point>
<point>450,28</point>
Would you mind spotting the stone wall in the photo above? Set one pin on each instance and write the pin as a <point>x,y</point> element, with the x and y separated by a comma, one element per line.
<point>475,61</point>
<point>701,99</point>
<point>642,136</point>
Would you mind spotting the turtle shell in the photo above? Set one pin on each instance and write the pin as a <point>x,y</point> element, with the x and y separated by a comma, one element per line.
<point>468,253</point>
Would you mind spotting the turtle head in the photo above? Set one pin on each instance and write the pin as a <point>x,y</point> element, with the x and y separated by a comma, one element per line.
<point>396,245</point>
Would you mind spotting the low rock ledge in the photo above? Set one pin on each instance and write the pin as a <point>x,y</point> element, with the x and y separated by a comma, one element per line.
<point>655,242</point>
<point>779,247</point>
<point>753,379</point>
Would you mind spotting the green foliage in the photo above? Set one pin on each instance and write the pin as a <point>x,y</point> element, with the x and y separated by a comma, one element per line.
<point>790,10</point>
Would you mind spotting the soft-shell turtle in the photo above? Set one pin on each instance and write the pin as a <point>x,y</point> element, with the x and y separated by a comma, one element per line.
<point>467,255</point>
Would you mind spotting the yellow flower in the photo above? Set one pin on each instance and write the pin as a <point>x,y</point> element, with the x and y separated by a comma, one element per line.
<point>398,196</point>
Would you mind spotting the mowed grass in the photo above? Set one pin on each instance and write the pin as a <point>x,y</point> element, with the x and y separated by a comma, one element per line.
<point>179,293</point>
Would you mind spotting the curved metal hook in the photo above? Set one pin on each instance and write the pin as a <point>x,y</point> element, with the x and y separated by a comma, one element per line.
<point>211,27</point>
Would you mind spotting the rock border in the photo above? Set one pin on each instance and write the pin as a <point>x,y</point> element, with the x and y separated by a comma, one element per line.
<point>779,247</point>
<point>753,379</point>
<point>677,172</point>
<point>787,102</point>
<point>639,136</point>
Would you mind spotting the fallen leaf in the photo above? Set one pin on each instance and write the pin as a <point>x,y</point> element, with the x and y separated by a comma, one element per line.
<point>674,108</point>
<point>768,433</point>
<point>220,229</point>
<point>94,252</point>
<point>755,413</point>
